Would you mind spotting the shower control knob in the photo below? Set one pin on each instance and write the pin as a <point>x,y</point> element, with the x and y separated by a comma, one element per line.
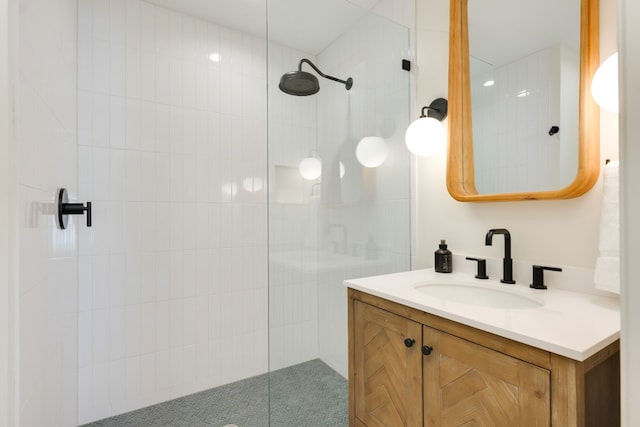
<point>426,350</point>
<point>409,342</point>
<point>65,208</point>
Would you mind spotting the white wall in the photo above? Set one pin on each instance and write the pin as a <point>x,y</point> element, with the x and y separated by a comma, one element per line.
<point>7,255</point>
<point>172,151</point>
<point>629,13</point>
<point>45,114</point>
<point>545,232</point>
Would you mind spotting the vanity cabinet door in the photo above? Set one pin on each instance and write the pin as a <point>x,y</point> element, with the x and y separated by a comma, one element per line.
<point>467,384</point>
<point>387,368</point>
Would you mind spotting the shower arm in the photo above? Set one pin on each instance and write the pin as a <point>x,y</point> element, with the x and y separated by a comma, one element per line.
<point>348,83</point>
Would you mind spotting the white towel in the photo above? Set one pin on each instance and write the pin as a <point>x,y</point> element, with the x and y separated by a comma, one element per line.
<point>607,273</point>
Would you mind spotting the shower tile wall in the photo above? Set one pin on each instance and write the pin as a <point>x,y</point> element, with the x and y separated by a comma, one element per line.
<point>45,134</point>
<point>372,203</point>
<point>293,288</point>
<point>318,230</point>
<point>172,151</point>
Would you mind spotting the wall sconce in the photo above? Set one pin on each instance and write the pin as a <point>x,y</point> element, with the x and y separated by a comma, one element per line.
<point>426,135</point>
<point>604,86</point>
<point>372,151</point>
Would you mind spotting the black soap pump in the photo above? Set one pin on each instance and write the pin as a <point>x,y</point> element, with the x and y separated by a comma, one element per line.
<point>443,259</point>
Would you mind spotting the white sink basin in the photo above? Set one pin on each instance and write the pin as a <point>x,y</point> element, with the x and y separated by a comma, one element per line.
<point>480,295</point>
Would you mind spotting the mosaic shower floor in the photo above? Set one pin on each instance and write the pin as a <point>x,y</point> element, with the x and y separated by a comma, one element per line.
<point>307,395</point>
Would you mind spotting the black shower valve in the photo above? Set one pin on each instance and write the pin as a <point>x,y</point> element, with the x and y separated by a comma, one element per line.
<point>65,208</point>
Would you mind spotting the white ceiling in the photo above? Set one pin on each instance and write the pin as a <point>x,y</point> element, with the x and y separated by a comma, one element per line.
<point>500,30</point>
<point>310,25</point>
<point>306,25</point>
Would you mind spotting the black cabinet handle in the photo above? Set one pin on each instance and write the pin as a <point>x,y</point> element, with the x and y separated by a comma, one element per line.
<point>65,208</point>
<point>426,350</point>
<point>409,342</point>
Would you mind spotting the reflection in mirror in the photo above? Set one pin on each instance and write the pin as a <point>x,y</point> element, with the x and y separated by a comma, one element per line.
<point>520,126</point>
<point>524,96</point>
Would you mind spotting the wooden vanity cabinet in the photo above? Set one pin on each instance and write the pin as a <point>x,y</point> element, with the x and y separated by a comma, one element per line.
<point>411,368</point>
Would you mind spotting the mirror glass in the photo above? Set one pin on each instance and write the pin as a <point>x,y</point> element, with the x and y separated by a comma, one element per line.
<point>517,128</point>
<point>524,93</point>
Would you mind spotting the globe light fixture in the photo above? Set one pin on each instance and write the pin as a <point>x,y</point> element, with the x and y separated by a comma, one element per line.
<point>604,86</point>
<point>426,136</point>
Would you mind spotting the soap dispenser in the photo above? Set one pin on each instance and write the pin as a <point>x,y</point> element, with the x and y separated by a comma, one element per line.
<point>443,260</point>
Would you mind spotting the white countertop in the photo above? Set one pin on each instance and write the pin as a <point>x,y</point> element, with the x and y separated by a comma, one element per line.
<point>573,324</point>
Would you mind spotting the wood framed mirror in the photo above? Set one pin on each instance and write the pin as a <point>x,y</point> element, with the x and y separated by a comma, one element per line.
<point>462,181</point>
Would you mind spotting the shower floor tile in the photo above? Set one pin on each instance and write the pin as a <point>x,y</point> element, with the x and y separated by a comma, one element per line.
<point>309,394</point>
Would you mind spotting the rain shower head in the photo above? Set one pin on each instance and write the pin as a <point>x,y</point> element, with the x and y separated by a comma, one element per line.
<point>301,83</point>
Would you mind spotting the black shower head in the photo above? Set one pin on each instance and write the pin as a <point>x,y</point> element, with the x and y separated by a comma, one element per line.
<point>301,83</point>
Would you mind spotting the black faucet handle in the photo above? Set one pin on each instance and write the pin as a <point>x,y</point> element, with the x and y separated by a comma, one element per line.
<point>538,276</point>
<point>482,267</point>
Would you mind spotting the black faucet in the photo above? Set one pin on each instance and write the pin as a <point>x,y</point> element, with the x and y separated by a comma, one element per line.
<point>507,263</point>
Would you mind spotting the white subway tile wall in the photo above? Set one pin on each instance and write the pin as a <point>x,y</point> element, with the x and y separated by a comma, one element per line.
<point>318,230</point>
<point>374,203</point>
<point>173,273</point>
<point>293,310</point>
<point>118,101</point>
